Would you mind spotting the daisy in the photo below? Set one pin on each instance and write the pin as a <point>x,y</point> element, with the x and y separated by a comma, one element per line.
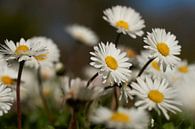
<point>75,89</point>
<point>184,70</point>
<point>22,50</point>
<point>155,94</point>
<point>164,47</point>
<point>125,19</point>
<point>113,63</point>
<point>83,34</point>
<point>7,76</point>
<point>49,57</point>
<point>121,119</point>
<point>6,99</point>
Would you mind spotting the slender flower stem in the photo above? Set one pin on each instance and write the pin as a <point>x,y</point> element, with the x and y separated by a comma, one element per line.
<point>145,66</point>
<point>91,79</point>
<point>117,39</point>
<point>73,120</point>
<point>21,65</point>
<point>44,101</point>
<point>115,101</point>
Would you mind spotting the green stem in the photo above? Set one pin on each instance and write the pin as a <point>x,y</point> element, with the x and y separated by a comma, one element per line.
<point>145,66</point>
<point>44,101</point>
<point>21,65</point>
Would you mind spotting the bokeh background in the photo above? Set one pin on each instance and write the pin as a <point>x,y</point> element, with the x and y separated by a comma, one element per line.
<point>28,18</point>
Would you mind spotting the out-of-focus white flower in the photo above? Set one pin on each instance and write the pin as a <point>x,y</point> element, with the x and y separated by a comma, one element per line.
<point>125,19</point>
<point>22,50</point>
<point>83,34</point>
<point>164,47</point>
<point>156,94</point>
<point>6,99</point>
<point>46,59</point>
<point>121,119</point>
<point>113,63</point>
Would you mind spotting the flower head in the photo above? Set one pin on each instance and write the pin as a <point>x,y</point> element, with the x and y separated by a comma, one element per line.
<point>125,19</point>
<point>47,58</point>
<point>121,119</point>
<point>6,99</point>
<point>83,34</point>
<point>113,63</point>
<point>164,47</point>
<point>22,50</point>
<point>155,94</point>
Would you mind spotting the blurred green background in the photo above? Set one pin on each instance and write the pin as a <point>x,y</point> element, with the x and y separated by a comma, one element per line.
<point>27,18</point>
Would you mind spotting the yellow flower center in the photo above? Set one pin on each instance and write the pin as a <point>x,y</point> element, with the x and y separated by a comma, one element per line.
<point>183,69</point>
<point>7,80</point>
<point>155,65</point>
<point>41,57</point>
<point>120,117</point>
<point>163,49</point>
<point>131,53</point>
<point>111,62</point>
<point>21,49</point>
<point>122,24</point>
<point>156,96</point>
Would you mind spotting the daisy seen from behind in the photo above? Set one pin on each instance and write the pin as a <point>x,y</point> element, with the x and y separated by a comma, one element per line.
<point>112,62</point>
<point>83,34</point>
<point>164,47</point>
<point>125,19</point>
<point>6,99</point>
<point>156,94</point>
<point>121,119</point>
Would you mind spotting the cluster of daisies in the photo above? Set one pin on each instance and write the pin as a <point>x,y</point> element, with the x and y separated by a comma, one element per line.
<point>156,80</point>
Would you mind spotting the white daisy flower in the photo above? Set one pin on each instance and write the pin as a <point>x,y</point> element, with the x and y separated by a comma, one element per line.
<point>121,119</point>
<point>164,47</point>
<point>76,89</point>
<point>8,76</point>
<point>6,99</point>
<point>155,94</point>
<point>83,34</point>
<point>113,63</point>
<point>22,50</point>
<point>184,70</point>
<point>125,19</point>
<point>49,57</point>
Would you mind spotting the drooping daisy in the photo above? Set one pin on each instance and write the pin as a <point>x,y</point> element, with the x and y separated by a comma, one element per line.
<point>49,57</point>
<point>22,50</point>
<point>75,89</point>
<point>121,119</point>
<point>83,34</point>
<point>155,94</point>
<point>6,99</point>
<point>125,19</point>
<point>113,63</point>
<point>7,76</point>
<point>164,47</point>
